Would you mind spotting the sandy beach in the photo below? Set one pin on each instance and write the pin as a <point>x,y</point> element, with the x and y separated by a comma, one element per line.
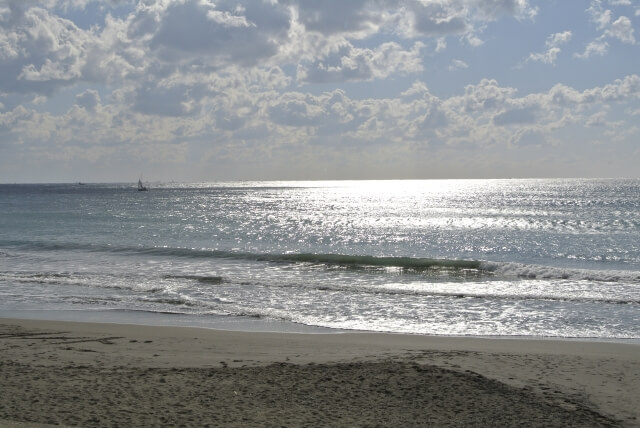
<point>85,374</point>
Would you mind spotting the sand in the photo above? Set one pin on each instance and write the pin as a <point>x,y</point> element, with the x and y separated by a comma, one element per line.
<point>107,375</point>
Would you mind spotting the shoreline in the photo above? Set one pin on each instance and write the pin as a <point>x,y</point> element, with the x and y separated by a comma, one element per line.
<point>244,324</point>
<point>547,381</point>
<point>161,319</point>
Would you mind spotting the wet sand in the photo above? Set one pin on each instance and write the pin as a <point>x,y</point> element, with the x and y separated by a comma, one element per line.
<point>85,374</point>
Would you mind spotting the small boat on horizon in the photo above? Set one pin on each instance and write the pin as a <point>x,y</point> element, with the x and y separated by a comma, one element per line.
<point>141,187</point>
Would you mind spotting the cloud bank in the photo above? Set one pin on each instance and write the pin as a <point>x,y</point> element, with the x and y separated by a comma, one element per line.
<point>204,90</point>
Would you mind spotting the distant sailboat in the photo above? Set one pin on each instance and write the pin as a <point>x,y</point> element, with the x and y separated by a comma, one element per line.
<point>141,187</point>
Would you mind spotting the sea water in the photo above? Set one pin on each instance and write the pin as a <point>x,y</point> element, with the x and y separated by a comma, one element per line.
<point>552,258</point>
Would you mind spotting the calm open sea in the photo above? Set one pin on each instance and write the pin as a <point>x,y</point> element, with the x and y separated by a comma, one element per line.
<point>554,258</point>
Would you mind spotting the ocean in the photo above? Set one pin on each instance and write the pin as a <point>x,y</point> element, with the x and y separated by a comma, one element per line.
<point>509,258</point>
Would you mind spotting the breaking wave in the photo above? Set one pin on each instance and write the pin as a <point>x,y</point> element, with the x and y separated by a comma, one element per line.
<point>409,264</point>
<point>522,270</point>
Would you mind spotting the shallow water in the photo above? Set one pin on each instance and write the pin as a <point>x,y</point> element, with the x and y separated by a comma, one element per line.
<point>557,258</point>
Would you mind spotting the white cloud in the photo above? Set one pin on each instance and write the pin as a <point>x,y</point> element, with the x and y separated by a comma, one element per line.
<point>487,95</point>
<point>529,137</point>
<point>355,18</point>
<point>597,120</point>
<point>596,47</point>
<point>251,119</point>
<point>318,30</point>
<point>350,63</point>
<point>39,100</point>
<point>228,39</point>
<point>362,18</point>
<point>227,19</point>
<point>473,40</point>
<point>600,16</point>
<point>458,64</point>
<point>435,19</point>
<point>558,38</point>
<point>622,29</point>
<point>553,44</point>
<point>39,52</point>
<point>619,90</point>
<point>518,8</point>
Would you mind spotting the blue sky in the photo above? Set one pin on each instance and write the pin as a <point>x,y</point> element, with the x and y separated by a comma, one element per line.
<point>204,90</point>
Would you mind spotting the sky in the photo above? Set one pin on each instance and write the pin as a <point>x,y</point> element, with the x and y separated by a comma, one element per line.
<point>208,90</point>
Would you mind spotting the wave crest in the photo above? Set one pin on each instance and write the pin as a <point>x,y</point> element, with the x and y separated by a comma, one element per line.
<point>522,270</point>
